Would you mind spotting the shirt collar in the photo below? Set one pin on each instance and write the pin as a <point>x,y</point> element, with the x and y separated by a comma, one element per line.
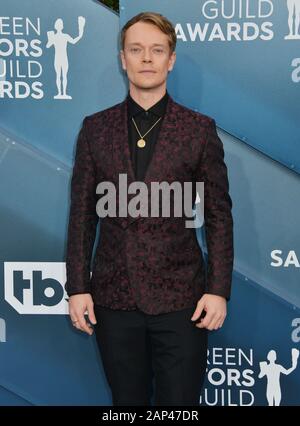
<point>158,109</point>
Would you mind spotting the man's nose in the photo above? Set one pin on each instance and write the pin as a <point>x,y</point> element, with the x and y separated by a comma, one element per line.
<point>147,55</point>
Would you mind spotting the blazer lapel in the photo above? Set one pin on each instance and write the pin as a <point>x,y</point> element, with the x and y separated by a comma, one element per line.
<point>163,147</point>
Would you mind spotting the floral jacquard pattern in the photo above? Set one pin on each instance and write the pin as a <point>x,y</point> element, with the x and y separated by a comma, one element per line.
<point>151,263</point>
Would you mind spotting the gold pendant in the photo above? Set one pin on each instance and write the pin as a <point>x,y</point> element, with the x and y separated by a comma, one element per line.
<point>141,143</point>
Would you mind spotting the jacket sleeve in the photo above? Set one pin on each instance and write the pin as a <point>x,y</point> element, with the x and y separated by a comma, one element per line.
<point>83,217</point>
<point>218,219</point>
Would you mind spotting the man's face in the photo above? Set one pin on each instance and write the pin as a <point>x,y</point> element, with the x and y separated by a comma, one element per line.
<point>146,48</point>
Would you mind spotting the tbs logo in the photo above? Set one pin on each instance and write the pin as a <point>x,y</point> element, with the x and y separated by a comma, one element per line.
<point>36,287</point>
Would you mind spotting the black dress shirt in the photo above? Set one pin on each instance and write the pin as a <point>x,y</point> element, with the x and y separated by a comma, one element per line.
<point>141,157</point>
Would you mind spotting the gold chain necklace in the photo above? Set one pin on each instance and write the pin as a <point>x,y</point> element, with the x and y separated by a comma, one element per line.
<point>141,142</point>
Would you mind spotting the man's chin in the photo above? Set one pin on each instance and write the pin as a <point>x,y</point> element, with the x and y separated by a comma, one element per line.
<point>147,85</point>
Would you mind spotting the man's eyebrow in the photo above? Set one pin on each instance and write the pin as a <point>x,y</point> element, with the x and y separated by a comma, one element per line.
<point>139,44</point>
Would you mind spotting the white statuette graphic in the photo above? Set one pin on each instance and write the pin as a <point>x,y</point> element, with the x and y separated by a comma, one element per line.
<point>60,42</point>
<point>273,371</point>
<point>293,20</point>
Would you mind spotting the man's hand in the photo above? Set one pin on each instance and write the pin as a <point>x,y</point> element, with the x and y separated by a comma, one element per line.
<point>215,308</point>
<point>78,305</point>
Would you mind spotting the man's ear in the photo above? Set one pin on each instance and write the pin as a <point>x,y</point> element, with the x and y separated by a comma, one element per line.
<point>123,59</point>
<point>173,59</point>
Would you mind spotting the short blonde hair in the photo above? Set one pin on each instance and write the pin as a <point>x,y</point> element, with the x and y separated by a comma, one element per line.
<point>156,19</point>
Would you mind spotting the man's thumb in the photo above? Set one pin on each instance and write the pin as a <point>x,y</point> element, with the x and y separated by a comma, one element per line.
<point>198,311</point>
<point>92,317</point>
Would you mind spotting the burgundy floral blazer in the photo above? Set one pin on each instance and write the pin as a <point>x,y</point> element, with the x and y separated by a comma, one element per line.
<point>151,263</point>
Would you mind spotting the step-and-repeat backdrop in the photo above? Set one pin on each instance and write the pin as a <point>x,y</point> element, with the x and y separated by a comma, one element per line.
<point>238,62</point>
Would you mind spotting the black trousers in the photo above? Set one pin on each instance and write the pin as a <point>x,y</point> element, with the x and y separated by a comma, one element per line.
<point>138,349</point>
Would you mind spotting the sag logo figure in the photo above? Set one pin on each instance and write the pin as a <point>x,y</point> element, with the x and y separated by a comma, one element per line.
<point>60,41</point>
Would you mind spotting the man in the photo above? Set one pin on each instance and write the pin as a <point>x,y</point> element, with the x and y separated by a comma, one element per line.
<point>148,284</point>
